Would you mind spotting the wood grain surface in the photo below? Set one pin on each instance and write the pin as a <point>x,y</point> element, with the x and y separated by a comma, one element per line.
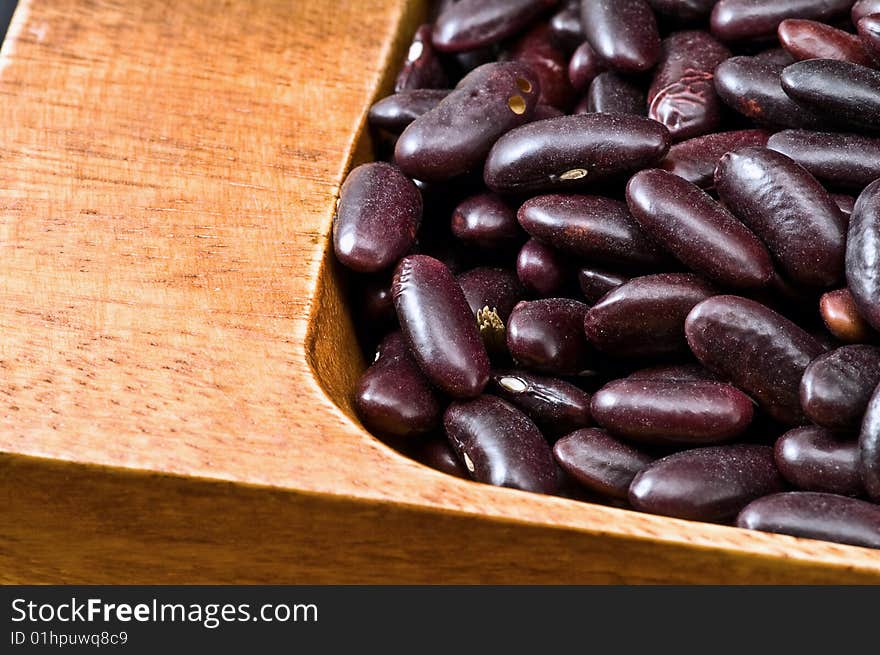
<point>176,357</point>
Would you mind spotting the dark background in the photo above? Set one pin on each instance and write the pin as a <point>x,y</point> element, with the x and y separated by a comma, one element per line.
<point>6,9</point>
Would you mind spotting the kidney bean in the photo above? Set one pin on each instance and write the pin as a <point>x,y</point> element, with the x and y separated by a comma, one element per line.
<point>703,235</point>
<point>842,318</point>
<point>455,137</point>
<point>537,50</point>
<point>774,57</point>
<point>600,462</point>
<point>376,304</point>
<point>590,226</point>
<point>397,111</point>
<point>812,458</point>
<point>543,112</point>
<point>623,32</point>
<point>547,336</point>
<point>557,406</point>
<point>851,160</point>
<point>422,68</point>
<point>393,397</point>
<point>583,67</point>
<point>869,35</point>
<point>438,454</point>
<point>377,217</point>
<point>612,93</point>
<point>788,208</point>
<point>863,254</point>
<point>571,151</point>
<point>682,95</point>
<point>565,26</point>
<point>471,24</point>
<point>495,288</point>
<point>695,159</point>
<point>596,282</point>
<point>844,203</point>
<point>837,386</point>
<point>540,268</point>
<point>864,8</point>
<point>758,350</point>
<point>847,92</point>
<point>706,484</point>
<point>735,20</point>
<point>487,221</point>
<point>500,445</point>
<point>438,325</point>
<point>815,516</point>
<point>674,373</point>
<point>683,10</point>
<point>808,39</point>
<point>753,87</point>
<point>869,447</point>
<point>645,316</point>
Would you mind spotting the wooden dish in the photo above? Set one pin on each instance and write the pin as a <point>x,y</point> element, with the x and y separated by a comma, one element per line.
<point>177,357</point>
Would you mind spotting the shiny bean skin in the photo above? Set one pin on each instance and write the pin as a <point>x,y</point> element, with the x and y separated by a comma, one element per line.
<point>547,336</point>
<point>376,302</point>
<point>869,34</point>
<point>789,210</point>
<point>695,159</point>
<point>850,160</point>
<point>495,288</point>
<point>845,204</point>
<point>541,269</point>
<point>761,352</point>
<point>565,25</point>
<point>596,282</point>
<point>422,68</point>
<point>571,151</point>
<point>600,462</point>
<point>674,373</point>
<point>583,67</point>
<point>682,95</point>
<point>864,8</point>
<point>393,397</point>
<point>669,411</point>
<point>774,57</point>
<point>438,454</point>
<point>847,92</point>
<point>537,50</point>
<point>736,20</point>
<point>377,217</point>
<point>397,111</point>
<point>471,24</point>
<point>683,10</point>
<point>557,406</point>
<point>837,386</point>
<point>704,235</point>
<point>808,39</point>
<point>645,316</point>
<point>814,515</point>
<point>869,447</point>
<point>842,317</point>
<point>706,484</point>
<point>439,327</point>
<point>454,138</point>
<point>863,254</point>
<point>590,226</point>
<point>623,32</point>
<point>500,445</point>
<point>815,459</point>
<point>612,93</point>
<point>486,220</point>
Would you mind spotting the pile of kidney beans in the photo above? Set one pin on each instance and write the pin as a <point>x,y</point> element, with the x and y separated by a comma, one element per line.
<point>628,251</point>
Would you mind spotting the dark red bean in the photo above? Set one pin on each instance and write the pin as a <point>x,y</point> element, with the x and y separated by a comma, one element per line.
<point>808,39</point>
<point>851,160</point>
<point>547,336</point>
<point>774,57</point>
<point>623,32</point>
<point>683,10</point>
<point>869,447</point>
<point>612,93</point>
<point>700,232</point>
<point>393,397</point>
<point>565,26</point>
<point>645,316</point>
<point>695,159</point>
<point>438,454</point>
<point>543,112</point>
<point>596,282</point>
<point>869,35</point>
<point>584,66</point>
<point>495,288</point>
<point>788,208</point>
<point>557,406</point>
<point>815,459</point>
<point>758,350</point>
<point>674,373</point>
<point>753,87</point>
<point>845,204</point>
<point>397,111</point>
<point>541,269</point>
<point>454,138</point>
<point>864,8</point>
<point>669,411</point>
<point>571,151</point>
<point>863,254</point>
<point>600,462</point>
<point>500,445</point>
<point>377,217</point>
<point>590,226</point>
<point>682,95</point>
<point>736,20</point>
<point>486,221</point>
<point>537,50</point>
<point>842,317</point>
<point>376,302</point>
<point>847,92</point>
<point>837,386</point>
<point>422,68</point>
<point>706,484</point>
<point>814,515</point>
<point>471,24</point>
<point>439,327</point>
